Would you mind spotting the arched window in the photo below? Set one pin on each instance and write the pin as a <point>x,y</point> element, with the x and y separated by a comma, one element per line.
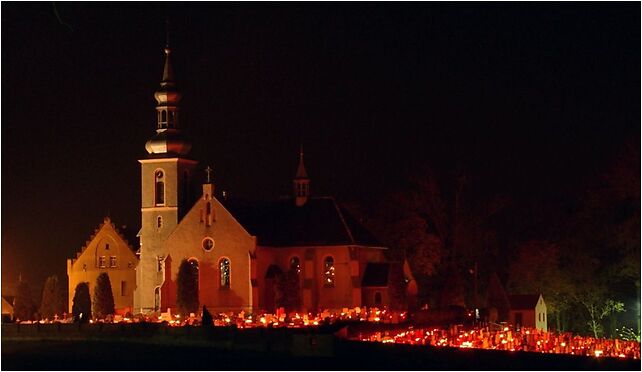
<point>159,222</point>
<point>160,187</point>
<point>295,264</point>
<point>328,272</point>
<point>224,272</point>
<point>195,274</point>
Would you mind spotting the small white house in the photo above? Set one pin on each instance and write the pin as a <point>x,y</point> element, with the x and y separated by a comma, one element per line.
<point>528,311</point>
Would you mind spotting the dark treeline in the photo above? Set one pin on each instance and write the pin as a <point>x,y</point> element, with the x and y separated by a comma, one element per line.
<point>579,246</point>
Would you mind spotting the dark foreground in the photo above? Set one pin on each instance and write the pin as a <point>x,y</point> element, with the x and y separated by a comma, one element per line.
<point>347,355</point>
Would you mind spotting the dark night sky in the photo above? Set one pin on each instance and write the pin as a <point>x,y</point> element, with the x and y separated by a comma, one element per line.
<point>532,98</point>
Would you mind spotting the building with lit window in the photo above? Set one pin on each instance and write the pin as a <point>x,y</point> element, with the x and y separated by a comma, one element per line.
<point>108,250</point>
<point>239,249</point>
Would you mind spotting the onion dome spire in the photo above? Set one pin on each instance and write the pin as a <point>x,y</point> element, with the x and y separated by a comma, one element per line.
<point>168,139</point>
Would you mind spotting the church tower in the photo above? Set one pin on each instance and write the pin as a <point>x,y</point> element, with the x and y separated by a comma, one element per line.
<point>166,175</point>
<point>301,183</point>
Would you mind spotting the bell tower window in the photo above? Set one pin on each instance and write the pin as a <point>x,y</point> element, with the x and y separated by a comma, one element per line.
<point>163,119</point>
<point>159,197</point>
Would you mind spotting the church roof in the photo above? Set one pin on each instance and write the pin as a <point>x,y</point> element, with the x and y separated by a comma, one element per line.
<point>280,223</point>
<point>523,302</point>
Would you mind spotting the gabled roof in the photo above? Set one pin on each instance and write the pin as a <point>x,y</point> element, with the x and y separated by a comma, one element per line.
<point>318,222</point>
<point>128,235</point>
<point>523,302</point>
<point>376,275</point>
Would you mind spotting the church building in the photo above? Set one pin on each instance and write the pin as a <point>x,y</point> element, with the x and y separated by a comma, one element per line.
<point>239,249</point>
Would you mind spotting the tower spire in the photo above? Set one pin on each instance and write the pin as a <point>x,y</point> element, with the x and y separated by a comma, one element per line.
<point>168,140</point>
<point>168,72</point>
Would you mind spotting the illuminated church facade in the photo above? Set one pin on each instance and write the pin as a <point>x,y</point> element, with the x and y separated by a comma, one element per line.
<point>240,249</point>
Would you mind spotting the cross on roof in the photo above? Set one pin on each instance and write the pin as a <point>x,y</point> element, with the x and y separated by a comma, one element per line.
<point>208,171</point>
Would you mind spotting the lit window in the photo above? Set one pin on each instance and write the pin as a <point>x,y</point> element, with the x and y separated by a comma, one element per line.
<point>160,187</point>
<point>208,244</point>
<point>102,261</point>
<point>295,264</point>
<point>328,272</point>
<point>224,269</point>
<point>112,261</point>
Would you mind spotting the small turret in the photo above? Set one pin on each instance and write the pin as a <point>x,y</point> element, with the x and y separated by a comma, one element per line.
<point>301,183</point>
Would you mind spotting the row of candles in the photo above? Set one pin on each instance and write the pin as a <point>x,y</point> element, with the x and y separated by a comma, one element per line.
<point>507,338</point>
<point>524,339</point>
<point>292,320</point>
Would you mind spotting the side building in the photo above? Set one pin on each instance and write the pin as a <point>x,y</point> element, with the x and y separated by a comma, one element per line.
<point>108,251</point>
